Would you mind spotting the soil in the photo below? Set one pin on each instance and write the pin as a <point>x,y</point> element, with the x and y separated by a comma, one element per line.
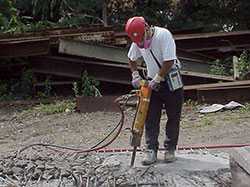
<point>19,128</point>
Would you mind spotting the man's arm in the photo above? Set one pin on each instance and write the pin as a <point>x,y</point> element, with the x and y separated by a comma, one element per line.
<point>166,66</point>
<point>132,65</point>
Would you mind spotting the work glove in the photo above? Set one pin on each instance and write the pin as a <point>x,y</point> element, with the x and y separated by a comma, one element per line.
<point>154,84</point>
<point>136,79</point>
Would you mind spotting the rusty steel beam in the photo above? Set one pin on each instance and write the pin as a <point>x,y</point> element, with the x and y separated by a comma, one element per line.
<point>74,70</point>
<point>94,104</point>
<point>38,43</point>
<point>98,36</point>
<point>211,35</point>
<point>195,92</point>
<point>118,55</point>
<point>207,76</point>
<point>214,44</point>
<point>224,94</point>
<point>217,85</point>
<point>193,55</point>
<point>69,67</point>
<point>79,48</point>
<point>22,48</point>
<point>57,32</point>
<point>99,65</point>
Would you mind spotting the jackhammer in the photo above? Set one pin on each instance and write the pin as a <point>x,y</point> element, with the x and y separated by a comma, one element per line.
<point>144,94</point>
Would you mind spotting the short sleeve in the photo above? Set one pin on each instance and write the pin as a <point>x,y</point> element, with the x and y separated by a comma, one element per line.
<point>134,53</point>
<point>168,47</point>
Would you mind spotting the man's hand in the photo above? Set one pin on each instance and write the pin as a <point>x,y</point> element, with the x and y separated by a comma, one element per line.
<point>136,79</point>
<point>154,84</point>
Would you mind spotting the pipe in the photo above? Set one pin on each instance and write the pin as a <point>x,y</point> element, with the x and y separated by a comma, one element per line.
<point>181,147</point>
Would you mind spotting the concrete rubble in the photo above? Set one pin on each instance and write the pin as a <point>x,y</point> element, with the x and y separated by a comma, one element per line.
<point>46,167</point>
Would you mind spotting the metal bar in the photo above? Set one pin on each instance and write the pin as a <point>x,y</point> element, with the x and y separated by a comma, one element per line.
<point>24,48</point>
<point>79,48</point>
<point>74,70</point>
<point>208,76</point>
<point>94,104</point>
<point>193,55</point>
<point>225,94</point>
<point>117,55</point>
<point>211,35</point>
<point>215,85</point>
<point>133,156</point>
<point>223,47</point>
<point>72,67</point>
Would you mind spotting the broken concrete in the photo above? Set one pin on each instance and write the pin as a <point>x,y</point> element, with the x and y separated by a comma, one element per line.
<point>192,168</point>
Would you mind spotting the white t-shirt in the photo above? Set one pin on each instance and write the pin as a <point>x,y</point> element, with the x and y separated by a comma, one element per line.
<point>162,46</point>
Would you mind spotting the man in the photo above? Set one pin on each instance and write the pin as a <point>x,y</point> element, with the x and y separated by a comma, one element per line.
<point>157,47</point>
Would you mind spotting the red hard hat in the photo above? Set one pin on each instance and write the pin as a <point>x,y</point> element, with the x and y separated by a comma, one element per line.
<point>135,28</point>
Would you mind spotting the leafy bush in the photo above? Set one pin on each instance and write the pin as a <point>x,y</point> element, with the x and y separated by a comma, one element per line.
<point>86,86</point>
<point>4,91</point>
<point>17,88</point>
<point>244,64</point>
<point>222,67</point>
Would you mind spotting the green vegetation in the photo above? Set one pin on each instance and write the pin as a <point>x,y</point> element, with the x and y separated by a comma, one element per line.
<point>204,15</point>
<point>193,105</point>
<point>222,67</point>
<point>4,94</point>
<point>244,64</point>
<point>54,108</point>
<point>206,121</point>
<point>225,66</point>
<point>17,89</point>
<point>86,86</point>
<point>245,109</point>
<point>47,90</point>
<point>46,108</point>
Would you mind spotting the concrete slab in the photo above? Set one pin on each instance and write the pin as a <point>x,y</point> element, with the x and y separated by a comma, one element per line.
<point>192,168</point>
<point>240,167</point>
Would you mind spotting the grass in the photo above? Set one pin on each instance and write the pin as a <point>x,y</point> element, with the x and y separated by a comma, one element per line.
<point>235,116</point>
<point>191,103</point>
<point>206,121</point>
<point>201,122</point>
<point>53,108</point>
<point>246,108</point>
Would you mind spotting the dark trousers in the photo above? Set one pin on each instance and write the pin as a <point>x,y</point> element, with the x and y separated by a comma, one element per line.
<point>172,102</point>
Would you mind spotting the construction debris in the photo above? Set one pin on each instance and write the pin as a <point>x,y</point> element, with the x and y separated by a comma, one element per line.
<point>217,107</point>
<point>41,167</point>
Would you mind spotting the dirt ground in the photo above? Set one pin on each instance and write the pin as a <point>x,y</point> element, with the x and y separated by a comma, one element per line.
<point>19,127</point>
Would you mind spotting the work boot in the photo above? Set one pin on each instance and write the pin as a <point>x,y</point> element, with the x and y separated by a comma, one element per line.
<point>150,157</point>
<point>169,156</point>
